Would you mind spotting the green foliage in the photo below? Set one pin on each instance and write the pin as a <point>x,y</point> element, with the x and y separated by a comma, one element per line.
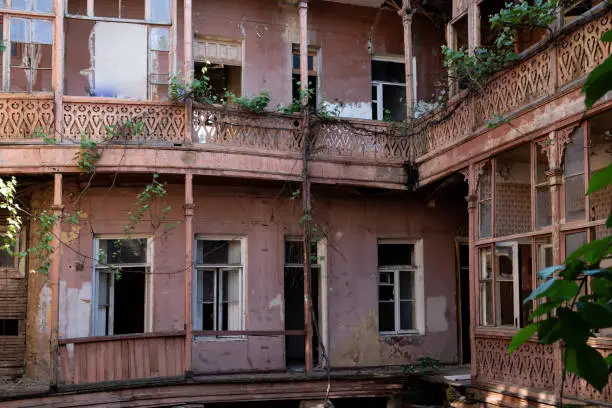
<point>296,105</point>
<point>328,112</point>
<point>124,130</point>
<point>8,201</point>
<point>198,90</point>
<point>43,250</point>
<point>577,316</point>
<point>387,115</point>
<point>88,155</point>
<point>144,201</point>
<point>599,81</point>
<point>41,134</point>
<point>424,365</point>
<point>256,103</point>
<point>471,69</point>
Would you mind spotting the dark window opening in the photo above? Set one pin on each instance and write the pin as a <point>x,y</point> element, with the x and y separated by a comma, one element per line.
<point>129,306</point>
<point>222,78</point>
<point>395,254</point>
<point>312,76</point>
<point>9,327</point>
<point>460,28</point>
<point>388,90</point>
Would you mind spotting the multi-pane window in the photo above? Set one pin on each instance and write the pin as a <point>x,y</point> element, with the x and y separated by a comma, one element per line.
<point>41,6</point>
<point>399,287</point>
<point>312,75</point>
<point>31,52</point>
<point>218,288</point>
<point>388,90</point>
<point>159,62</point>
<point>485,204</point>
<point>120,288</point>
<point>574,178</point>
<point>543,198</point>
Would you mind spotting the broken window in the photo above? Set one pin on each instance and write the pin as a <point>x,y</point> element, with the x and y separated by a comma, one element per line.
<point>294,300</point>
<point>399,287</point>
<point>485,200</point>
<point>218,289</point>
<point>31,48</point>
<point>573,178</point>
<point>388,90</point>
<point>159,63</point>
<point>121,290</point>
<point>505,281</point>
<point>513,191</point>
<point>312,75</point>
<point>222,61</point>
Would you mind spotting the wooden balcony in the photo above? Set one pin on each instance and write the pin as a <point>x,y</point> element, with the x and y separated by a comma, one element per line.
<point>120,358</point>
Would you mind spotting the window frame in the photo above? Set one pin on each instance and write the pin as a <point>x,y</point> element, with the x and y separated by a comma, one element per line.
<point>380,84</point>
<point>148,306</point>
<point>218,268</point>
<point>419,288</point>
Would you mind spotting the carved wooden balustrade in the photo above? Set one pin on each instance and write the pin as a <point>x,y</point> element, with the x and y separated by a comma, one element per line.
<point>560,65</point>
<point>216,125</point>
<point>22,116</point>
<point>533,365</point>
<point>117,358</point>
<point>162,122</point>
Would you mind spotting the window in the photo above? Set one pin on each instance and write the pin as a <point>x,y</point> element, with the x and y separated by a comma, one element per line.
<point>9,327</point>
<point>543,198</point>
<point>400,287</point>
<point>31,45</point>
<point>485,202</point>
<point>121,286</point>
<point>41,6</point>
<point>312,75</point>
<point>159,62</point>
<point>218,289</point>
<point>573,178</point>
<point>388,90</point>
<point>7,260</point>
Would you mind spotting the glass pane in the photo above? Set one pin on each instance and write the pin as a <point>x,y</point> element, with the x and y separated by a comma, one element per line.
<point>525,282</point>
<point>42,56</point>
<point>388,71</point>
<point>406,285</point>
<point>505,266</point>
<point>124,251</point>
<point>43,6</point>
<point>541,164</point>
<point>21,5</point>
<point>575,207</point>
<point>386,277</point>
<point>513,191</point>
<point>386,293</point>
<point>160,10</point>
<point>573,162</point>
<point>311,63</point>
<point>407,315</point>
<point>375,111</point>
<point>208,316</point>
<point>42,32</point>
<point>206,286</point>
<point>231,284</point>
<point>574,241</point>
<point>374,93</point>
<point>484,183</point>
<point>159,40</point>
<point>42,80</point>
<point>103,288</point>
<point>296,61</point>
<point>386,316</point>
<point>394,101</point>
<point>543,207</point>
<point>600,155</point>
<point>486,304</point>
<point>486,267</point>
<point>20,30</point>
<point>484,219</point>
<point>213,252</point>
<point>395,254</point>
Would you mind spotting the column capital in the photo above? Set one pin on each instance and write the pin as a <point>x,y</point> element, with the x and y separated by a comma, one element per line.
<point>303,4</point>
<point>555,176</point>
<point>189,209</point>
<point>406,14</point>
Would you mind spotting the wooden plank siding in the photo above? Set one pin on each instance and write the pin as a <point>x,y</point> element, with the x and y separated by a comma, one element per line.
<point>12,306</point>
<point>119,358</point>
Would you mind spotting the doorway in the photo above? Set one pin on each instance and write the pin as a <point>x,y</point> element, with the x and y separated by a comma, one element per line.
<point>463,288</point>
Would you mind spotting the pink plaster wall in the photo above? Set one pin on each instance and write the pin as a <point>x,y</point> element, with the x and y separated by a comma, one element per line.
<point>353,225</point>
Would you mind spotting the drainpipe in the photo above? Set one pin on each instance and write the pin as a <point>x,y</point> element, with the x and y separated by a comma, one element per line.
<point>406,13</point>
<point>54,272</point>
<point>189,209</point>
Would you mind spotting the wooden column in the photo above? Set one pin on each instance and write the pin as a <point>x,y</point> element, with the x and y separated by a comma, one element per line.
<point>306,225</point>
<point>473,15</point>
<point>189,207</point>
<point>58,66</point>
<point>303,14</point>
<point>54,272</point>
<point>188,64</point>
<point>406,13</point>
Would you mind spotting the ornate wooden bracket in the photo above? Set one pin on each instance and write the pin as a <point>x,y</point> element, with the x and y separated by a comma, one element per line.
<point>472,175</point>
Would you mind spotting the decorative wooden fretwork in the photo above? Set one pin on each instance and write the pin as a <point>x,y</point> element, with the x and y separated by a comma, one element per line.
<point>219,126</point>
<point>447,130</point>
<point>581,51</point>
<point>162,122</point>
<point>533,365</point>
<point>577,387</point>
<point>514,88</point>
<point>20,118</point>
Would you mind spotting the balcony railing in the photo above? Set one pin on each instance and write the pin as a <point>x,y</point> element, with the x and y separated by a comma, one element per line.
<point>119,358</point>
<point>25,116</point>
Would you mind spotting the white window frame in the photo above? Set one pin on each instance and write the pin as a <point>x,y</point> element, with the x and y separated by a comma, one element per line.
<point>419,287</point>
<point>219,269</point>
<point>516,290</point>
<point>148,323</point>
<point>379,84</point>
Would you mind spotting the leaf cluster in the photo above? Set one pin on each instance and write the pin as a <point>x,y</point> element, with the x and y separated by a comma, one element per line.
<point>88,155</point>
<point>256,104</point>
<point>424,365</point>
<point>599,81</point>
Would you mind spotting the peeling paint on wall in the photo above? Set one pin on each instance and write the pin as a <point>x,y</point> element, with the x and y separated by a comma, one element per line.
<point>436,314</point>
<point>74,304</point>
<point>278,302</point>
<point>44,305</point>
<point>357,110</point>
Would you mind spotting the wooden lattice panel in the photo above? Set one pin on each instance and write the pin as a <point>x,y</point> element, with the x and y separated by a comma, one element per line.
<point>514,88</point>
<point>218,126</point>
<point>164,123</point>
<point>20,118</point>
<point>446,130</point>
<point>581,51</point>
<point>345,138</point>
<point>533,365</point>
